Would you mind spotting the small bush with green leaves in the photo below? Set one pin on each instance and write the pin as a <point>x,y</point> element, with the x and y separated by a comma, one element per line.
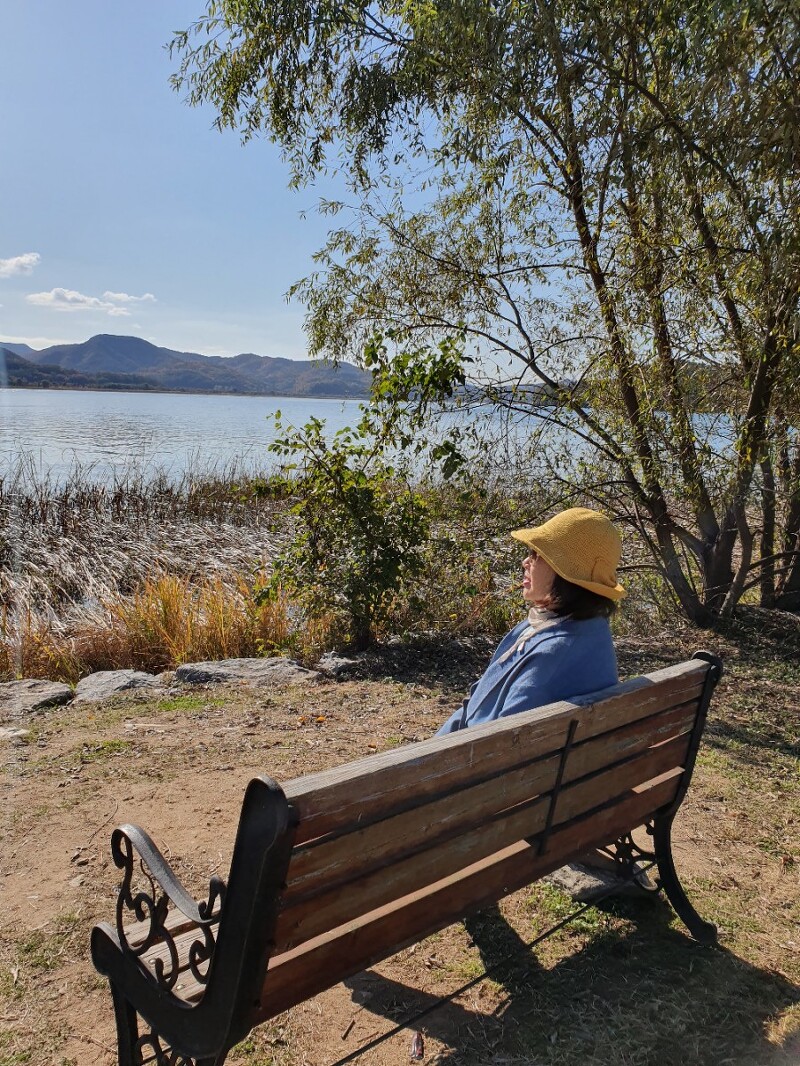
<point>360,528</point>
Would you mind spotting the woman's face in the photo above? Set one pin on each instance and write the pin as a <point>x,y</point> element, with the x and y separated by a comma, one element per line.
<point>537,579</point>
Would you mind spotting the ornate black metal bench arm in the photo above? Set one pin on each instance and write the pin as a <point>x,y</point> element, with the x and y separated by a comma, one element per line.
<point>150,910</point>
<point>219,946</point>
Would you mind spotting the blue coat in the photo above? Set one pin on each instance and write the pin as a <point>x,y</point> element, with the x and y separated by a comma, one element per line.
<point>567,659</point>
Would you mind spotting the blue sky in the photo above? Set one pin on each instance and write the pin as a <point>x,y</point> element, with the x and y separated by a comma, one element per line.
<point>123,211</point>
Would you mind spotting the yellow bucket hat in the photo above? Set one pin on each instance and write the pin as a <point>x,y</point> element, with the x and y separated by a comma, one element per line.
<point>582,546</point>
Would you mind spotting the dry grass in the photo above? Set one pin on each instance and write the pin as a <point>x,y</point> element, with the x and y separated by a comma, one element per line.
<point>135,573</point>
<point>169,620</point>
<point>150,573</point>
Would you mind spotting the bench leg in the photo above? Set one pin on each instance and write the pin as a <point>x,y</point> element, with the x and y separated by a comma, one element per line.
<point>704,932</point>
<point>136,1050</point>
<point>128,1044</point>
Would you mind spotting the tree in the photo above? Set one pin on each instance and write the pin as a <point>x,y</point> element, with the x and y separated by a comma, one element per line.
<point>606,195</point>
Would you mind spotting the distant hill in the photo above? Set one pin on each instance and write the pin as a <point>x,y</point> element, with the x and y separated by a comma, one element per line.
<point>106,361</point>
<point>16,372</point>
<point>19,349</point>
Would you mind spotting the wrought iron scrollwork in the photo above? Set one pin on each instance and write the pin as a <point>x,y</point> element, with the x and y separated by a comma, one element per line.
<point>150,1051</point>
<point>141,914</point>
<point>630,858</point>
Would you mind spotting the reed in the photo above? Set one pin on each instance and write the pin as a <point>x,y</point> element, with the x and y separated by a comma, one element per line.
<point>142,570</point>
<point>168,621</point>
<point>172,620</point>
<point>149,572</point>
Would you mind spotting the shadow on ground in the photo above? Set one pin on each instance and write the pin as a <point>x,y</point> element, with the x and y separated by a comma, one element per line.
<point>642,994</point>
<point>456,662</point>
<point>427,660</point>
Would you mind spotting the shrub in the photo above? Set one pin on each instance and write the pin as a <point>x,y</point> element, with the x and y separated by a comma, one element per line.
<point>359,529</point>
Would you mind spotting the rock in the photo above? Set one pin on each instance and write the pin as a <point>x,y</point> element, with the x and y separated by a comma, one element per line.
<point>587,883</point>
<point>166,678</point>
<point>277,671</point>
<point>13,734</point>
<point>336,665</point>
<point>107,683</point>
<point>18,698</point>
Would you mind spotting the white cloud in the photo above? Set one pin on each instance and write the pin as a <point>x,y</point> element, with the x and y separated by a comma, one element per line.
<point>124,298</point>
<point>111,303</point>
<point>19,264</point>
<point>70,300</point>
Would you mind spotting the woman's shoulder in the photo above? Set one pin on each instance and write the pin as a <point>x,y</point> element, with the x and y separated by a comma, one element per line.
<point>574,631</point>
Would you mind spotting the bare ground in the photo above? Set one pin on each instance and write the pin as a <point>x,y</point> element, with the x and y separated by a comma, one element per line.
<point>622,985</point>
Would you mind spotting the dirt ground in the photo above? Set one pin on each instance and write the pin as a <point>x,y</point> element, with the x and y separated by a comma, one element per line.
<point>623,985</point>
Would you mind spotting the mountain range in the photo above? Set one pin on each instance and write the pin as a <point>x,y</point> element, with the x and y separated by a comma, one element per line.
<point>130,363</point>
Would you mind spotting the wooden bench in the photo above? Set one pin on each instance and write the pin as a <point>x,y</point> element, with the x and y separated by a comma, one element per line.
<point>341,869</point>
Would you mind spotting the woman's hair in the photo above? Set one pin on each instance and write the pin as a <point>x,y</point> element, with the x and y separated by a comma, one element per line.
<point>568,600</point>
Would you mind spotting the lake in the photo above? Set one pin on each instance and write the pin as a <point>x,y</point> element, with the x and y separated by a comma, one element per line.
<point>110,432</point>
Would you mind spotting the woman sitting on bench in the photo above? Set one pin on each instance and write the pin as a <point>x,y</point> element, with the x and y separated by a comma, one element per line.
<point>564,648</point>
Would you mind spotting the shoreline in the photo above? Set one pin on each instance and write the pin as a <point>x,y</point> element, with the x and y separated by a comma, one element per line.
<point>145,390</point>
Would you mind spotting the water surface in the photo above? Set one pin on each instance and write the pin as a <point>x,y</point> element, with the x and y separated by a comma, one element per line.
<point>110,432</point>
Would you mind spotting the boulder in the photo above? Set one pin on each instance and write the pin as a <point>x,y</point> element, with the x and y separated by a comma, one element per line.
<point>278,671</point>
<point>107,683</point>
<point>31,696</point>
<point>334,665</point>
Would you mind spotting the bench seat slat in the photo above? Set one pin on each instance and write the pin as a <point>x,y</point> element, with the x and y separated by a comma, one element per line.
<point>295,975</point>
<point>339,902</point>
<point>175,923</point>
<point>336,859</point>
<point>186,984</point>
<point>349,795</point>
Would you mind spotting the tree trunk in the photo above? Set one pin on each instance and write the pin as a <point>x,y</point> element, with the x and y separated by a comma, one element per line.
<point>717,565</point>
<point>691,603</point>
<point>788,592</point>
<point>361,636</point>
<point>767,579</point>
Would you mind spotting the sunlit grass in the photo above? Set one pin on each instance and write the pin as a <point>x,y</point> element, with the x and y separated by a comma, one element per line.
<point>169,620</point>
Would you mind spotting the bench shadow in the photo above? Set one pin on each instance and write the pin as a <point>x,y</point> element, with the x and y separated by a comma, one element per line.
<point>749,740</point>
<point>644,992</point>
